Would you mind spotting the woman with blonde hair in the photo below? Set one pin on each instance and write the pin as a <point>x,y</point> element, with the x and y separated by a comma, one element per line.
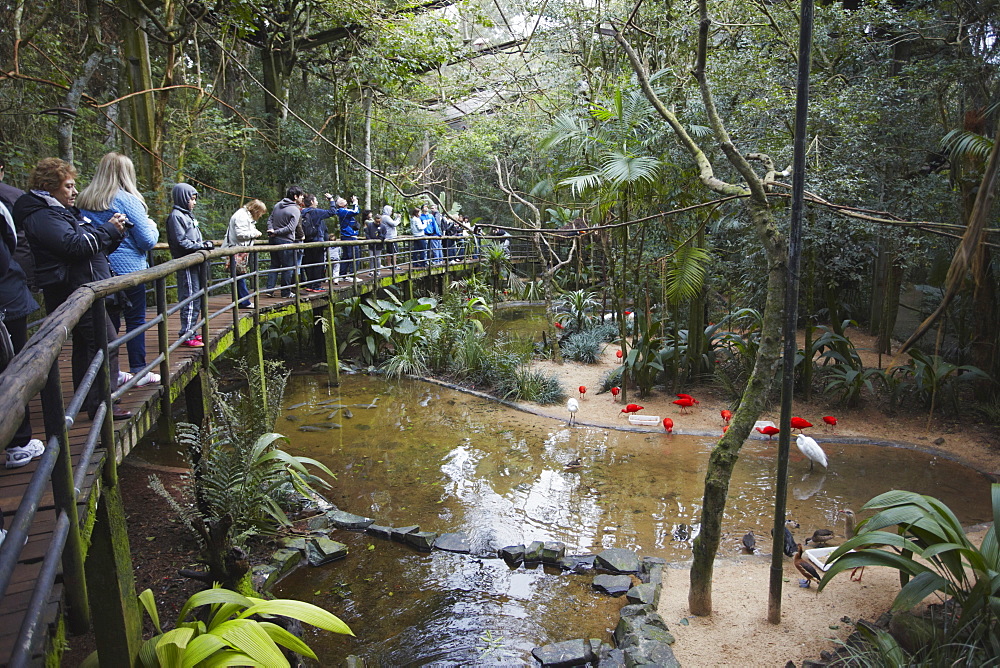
<point>242,231</point>
<point>113,190</point>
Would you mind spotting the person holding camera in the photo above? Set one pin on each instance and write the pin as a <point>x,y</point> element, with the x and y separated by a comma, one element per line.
<point>184,238</point>
<point>70,250</point>
<point>348,232</point>
<point>282,228</point>
<point>113,190</point>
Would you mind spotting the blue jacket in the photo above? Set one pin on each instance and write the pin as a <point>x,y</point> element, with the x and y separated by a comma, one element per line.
<point>347,230</point>
<point>431,230</point>
<point>131,253</point>
<point>314,222</point>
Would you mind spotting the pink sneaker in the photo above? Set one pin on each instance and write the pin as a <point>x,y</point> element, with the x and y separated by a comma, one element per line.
<point>193,342</point>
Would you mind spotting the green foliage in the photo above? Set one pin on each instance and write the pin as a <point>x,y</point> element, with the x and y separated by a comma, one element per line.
<point>686,273</point>
<point>232,630</point>
<point>521,383</point>
<point>933,555</point>
<point>579,310</point>
<point>929,378</point>
<point>849,382</point>
<point>395,326</point>
<point>585,346</point>
<point>641,361</point>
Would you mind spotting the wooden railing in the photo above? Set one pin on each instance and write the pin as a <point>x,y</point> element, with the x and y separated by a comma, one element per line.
<point>35,371</point>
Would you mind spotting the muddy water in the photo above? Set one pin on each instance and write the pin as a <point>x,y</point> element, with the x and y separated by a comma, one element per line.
<point>414,453</point>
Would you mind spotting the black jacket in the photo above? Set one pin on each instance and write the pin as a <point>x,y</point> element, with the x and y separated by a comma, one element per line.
<point>69,249</point>
<point>15,298</point>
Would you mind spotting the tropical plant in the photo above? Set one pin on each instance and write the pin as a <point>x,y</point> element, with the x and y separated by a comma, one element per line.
<point>392,323</point>
<point>585,346</point>
<point>496,259</point>
<point>578,309</point>
<point>930,377</point>
<point>642,362</point>
<point>849,382</point>
<point>234,630</point>
<point>934,556</point>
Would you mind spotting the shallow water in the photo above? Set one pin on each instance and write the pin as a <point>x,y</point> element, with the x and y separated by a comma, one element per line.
<point>448,461</point>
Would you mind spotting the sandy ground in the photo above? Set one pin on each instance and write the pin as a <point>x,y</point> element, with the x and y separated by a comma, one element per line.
<point>738,632</point>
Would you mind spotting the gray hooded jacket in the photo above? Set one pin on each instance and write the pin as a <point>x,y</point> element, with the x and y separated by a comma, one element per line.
<point>183,235</point>
<point>284,220</point>
<point>388,224</point>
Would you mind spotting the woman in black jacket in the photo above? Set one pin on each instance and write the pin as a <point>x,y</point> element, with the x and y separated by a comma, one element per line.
<point>69,251</point>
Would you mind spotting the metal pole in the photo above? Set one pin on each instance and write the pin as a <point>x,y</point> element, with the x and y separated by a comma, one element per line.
<point>791,309</point>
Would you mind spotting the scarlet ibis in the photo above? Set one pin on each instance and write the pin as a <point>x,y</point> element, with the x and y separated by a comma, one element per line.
<point>830,421</point>
<point>558,325</point>
<point>810,448</point>
<point>631,408</point>
<point>668,425</point>
<point>806,568</point>
<point>749,542</point>
<point>727,415</point>
<point>799,423</point>
<point>614,393</point>
<point>572,406</point>
<point>849,533</point>
<point>725,428</point>
<point>820,537</point>
<point>688,396</point>
<point>583,390</point>
<point>618,354</point>
<point>684,404</point>
<point>768,431</point>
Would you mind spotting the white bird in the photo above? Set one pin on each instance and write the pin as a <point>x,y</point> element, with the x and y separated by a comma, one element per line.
<point>572,406</point>
<point>810,448</point>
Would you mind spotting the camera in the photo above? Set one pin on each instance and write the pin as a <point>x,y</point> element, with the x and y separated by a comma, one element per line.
<point>128,223</point>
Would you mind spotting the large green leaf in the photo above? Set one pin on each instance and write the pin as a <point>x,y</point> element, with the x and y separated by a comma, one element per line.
<point>211,597</point>
<point>149,603</point>
<point>302,611</point>
<point>288,640</point>
<point>246,636</point>
<point>201,648</point>
<point>171,645</point>
<point>920,587</point>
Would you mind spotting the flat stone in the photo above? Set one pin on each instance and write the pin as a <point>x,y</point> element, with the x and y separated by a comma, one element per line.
<point>564,654</point>
<point>321,550</point>
<point>379,531</point>
<point>552,552</point>
<point>646,563</point>
<point>613,585</point>
<point>422,540</point>
<point>342,520</point>
<point>577,563</point>
<point>636,610</point>
<point>260,573</point>
<point>294,542</point>
<point>533,553</point>
<point>318,523</point>
<point>618,560</point>
<point>654,576</point>
<point>453,542</point>
<point>644,593</point>
<point>512,554</point>
<point>284,562</point>
<point>398,534</point>
<point>615,658</point>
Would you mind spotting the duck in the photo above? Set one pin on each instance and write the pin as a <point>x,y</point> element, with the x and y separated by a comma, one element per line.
<point>820,537</point>
<point>789,547</point>
<point>749,542</point>
<point>806,568</point>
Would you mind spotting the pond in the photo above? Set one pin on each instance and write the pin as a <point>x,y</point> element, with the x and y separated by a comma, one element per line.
<point>448,461</point>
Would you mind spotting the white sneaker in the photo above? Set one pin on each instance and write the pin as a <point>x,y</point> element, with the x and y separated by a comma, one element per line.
<point>21,456</point>
<point>149,379</point>
<point>124,377</point>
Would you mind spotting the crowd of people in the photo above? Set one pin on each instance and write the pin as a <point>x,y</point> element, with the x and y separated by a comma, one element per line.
<point>56,238</point>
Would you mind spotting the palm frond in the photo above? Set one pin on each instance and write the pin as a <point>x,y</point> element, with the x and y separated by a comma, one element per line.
<point>686,273</point>
<point>621,168</point>
<point>960,144</point>
<point>582,182</point>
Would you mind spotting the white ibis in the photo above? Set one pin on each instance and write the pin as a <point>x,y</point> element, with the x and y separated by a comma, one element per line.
<point>810,448</point>
<point>572,406</point>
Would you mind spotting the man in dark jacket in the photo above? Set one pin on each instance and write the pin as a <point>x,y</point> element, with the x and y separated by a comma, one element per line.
<point>184,238</point>
<point>70,251</point>
<point>22,254</point>
<point>314,228</point>
<point>16,304</point>
<point>281,229</point>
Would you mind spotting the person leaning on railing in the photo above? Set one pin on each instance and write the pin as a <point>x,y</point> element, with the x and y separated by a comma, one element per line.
<point>70,250</point>
<point>113,190</point>
<point>184,238</point>
<point>242,231</point>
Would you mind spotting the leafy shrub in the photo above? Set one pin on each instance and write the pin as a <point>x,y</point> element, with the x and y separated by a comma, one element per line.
<point>520,382</point>
<point>849,382</point>
<point>585,346</point>
<point>578,308</point>
<point>928,378</point>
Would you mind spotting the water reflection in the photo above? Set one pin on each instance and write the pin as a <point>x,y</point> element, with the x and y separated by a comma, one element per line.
<point>414,453</point>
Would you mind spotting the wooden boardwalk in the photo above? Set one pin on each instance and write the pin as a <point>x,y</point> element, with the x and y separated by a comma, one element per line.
<point>144,403</point>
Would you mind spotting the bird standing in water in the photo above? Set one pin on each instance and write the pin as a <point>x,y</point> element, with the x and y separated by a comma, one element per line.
<point>749,542</point>
<point>572,406</point>
<point>810,448</point>
<point>806,568</point>
<point>668,425</point>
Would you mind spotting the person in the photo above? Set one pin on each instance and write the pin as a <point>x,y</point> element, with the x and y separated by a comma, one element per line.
<point>314,228</point>
<point>242,231</point>
<point>22,254</point>
<point>16,304</point>
<point>282,225</point>
<point>373,230</point>
<point>387,227</point>
<point>432,228</point>
<point>504,240</point>
<point>69,251</point>
<point>113,190</point>
<point>454,243</point>
<point>417,226</point>
<point>184,238</point>
<point>348,232</point>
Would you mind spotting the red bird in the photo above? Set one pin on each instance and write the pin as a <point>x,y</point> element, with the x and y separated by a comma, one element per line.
<point>583,390</point>
<point>558,325</point>
<point>830,420</point>
<point>614,393</point>
<point>799,423</point>
<point>688,396</point>
<point>768,431</point>
<point>684,404</point>
<point>726,414</point>
<point>631,408</point>
<point>725,429</point>
<point>618,354</point>
<point>668,425</point>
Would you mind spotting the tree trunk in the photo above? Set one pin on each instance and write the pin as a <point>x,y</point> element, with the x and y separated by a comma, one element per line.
<point>67,120</point>
<point>752,404</point>
<point>135,49</point>
<point>367,103</point>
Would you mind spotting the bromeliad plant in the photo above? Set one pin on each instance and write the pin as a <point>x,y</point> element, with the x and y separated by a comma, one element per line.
<point>933,555</point>
<point>391,322</point>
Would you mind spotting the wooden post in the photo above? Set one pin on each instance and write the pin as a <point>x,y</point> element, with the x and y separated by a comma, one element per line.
<point>332,354</point>
<point>118,627</point>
